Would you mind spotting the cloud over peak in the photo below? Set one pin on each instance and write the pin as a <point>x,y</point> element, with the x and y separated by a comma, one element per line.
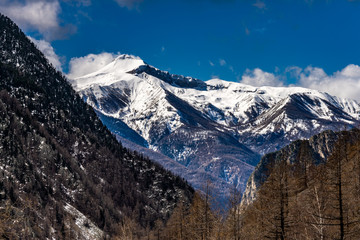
<point>344,83</point>
<point>258,78</point>
<point>88,64</point>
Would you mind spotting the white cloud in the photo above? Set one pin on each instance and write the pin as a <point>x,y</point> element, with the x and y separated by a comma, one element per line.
<point>91,63</point>
<point>130,4</point>
<point>259,78</point>
<point>211,63</point>
<point>46,48</point>
<point>222,62</point>
<point>40,15</point>
<point>260,5</point>
<point>79,3</point>
<point>294,71</point>
<point>344,83</point>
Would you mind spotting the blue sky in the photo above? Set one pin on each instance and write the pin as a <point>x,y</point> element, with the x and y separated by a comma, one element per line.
<point>302,42</point>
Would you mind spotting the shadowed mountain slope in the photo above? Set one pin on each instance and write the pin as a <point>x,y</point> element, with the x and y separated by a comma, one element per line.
<point>63,174</point>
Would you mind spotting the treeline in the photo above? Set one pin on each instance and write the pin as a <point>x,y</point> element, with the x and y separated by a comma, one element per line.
<point>303,200</point>
<point>203,218</point>
<point>300,199</point>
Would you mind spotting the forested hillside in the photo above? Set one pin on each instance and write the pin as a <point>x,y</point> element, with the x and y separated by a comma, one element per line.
<point>305,193</point>
<point>62,173</point>
<point>307,199</point>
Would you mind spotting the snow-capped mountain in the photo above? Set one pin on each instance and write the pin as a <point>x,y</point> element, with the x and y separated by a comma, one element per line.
<point>217,127</point>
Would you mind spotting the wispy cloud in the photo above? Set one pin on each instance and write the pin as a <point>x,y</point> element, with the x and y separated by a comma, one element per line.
<point>344,83</point>
<point>222,62</point>
<point>260,30</point>
<point>133,4</point>
<point>211,63</point>
<point>88,64</point>
<point>247,31</point>
<point>46,48</point>
<point>260,5</point>
<point>258,77</point>
<point>79,3</point>
<point>293,71</point>
<point>39,15</point>
<point>130,4</point>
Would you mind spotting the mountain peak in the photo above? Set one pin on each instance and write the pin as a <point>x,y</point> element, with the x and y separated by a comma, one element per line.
<point>113,72</point>
<point>122,64</point>
<point>127,67</point>
<point>127,56</point>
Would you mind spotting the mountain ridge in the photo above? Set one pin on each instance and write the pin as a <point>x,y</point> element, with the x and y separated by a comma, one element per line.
<point>247,121</point>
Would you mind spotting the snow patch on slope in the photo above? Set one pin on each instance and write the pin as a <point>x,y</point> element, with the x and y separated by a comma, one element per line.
<point>88,229</point>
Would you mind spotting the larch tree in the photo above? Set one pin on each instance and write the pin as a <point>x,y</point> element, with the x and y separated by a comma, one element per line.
<point>233,220</point>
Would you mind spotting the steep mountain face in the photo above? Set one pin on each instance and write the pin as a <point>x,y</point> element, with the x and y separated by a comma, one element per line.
<point>298,116</point>
<point>63,174</point>
<point>217,127</point>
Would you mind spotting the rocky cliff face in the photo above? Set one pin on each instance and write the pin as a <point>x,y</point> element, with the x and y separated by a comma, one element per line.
<point>316,150</point>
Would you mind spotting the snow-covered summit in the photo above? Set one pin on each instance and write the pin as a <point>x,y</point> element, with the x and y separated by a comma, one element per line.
<point>116,70</point>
